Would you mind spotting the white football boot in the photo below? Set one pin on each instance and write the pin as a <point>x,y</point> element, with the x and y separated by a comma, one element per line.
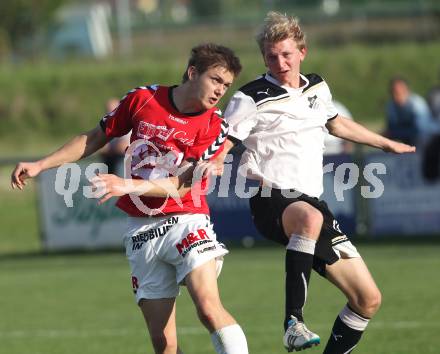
<point>298,337</point>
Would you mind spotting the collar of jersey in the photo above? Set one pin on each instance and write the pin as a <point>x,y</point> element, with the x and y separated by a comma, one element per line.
<point>271,79</point>
<point>170,98</point>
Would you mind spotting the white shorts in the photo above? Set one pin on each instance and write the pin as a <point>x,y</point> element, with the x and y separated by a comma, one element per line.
<point>163,250</point>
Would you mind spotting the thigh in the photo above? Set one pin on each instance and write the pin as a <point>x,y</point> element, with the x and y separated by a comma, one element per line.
<point>151,277</point>
<point>267,215</point>
<point>160,317</point>
<point>202,284</point>
<point>279,214</point>
<point>352,277</point>
<point>332,244</point>
<point>190,243</point>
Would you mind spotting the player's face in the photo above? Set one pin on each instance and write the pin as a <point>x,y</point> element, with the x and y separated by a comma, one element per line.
<point>283,59</point>
<point>210,86</point>
<point>400,92</point>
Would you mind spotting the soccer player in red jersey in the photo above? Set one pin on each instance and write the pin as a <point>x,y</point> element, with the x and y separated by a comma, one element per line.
<point>169,239</point>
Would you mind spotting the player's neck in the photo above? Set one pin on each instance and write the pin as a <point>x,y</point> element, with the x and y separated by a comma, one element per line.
<point>293,80</point>
<point>184,101</point>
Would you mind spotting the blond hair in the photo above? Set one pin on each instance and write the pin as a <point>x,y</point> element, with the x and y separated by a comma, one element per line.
<point>278,27</point>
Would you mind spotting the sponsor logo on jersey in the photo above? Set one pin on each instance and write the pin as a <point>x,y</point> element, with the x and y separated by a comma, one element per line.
<point>149,131</point>
<point>193,240</point>
<point>178,120</point>
<point>312,102</point>
<point>143,237</point>
<point>183,138</point>
<point>264,92</point>
<point>206,249</point>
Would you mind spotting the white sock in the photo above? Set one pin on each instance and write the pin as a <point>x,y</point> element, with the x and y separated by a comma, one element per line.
<point>353,320</point>
<point>229,340</point>
<point>301,244</point>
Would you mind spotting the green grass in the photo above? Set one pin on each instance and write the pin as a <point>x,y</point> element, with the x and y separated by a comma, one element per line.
<point>18,217</point>
<point>83,303</point>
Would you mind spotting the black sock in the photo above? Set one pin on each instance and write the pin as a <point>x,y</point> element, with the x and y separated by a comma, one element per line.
<point>298,269</point>
<point>343,339</point>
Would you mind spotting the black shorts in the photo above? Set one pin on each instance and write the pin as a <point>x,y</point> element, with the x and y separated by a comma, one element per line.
<point>267,215</point>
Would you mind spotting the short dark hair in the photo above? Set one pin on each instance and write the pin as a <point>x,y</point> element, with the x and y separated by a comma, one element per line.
<point>396,79</point>
<point>207,55</point>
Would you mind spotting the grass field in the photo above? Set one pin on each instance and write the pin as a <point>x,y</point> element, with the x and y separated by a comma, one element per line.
<point>83,303</point>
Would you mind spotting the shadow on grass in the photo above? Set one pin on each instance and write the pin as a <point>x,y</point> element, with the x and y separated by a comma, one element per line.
<point>423,240</point>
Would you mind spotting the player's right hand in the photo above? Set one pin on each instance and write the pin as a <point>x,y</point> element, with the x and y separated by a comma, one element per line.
<point>23,171</point>
<point>399,148</point>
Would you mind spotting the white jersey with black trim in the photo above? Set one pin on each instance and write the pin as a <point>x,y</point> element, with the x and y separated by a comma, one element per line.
<point>283,130</point>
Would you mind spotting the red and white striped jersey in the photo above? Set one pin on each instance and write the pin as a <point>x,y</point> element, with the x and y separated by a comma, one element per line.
<point>162,137</point>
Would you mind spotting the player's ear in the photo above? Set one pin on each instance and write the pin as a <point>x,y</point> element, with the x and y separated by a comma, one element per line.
<point>303,53</point>
<point>264,59</point>
<point>192,73</point>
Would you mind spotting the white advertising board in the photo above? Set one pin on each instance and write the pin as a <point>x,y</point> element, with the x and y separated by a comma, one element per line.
<point>83,225</point>
<point>409,205</point>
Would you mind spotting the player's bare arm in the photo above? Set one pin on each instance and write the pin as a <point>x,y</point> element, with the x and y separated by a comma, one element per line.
<point>79,147</point>
<point>109,185</point>
<point>345,128</point>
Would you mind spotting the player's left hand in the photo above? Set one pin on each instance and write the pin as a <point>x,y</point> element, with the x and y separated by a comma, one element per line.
<point>399,148</point>
<point>108,185</point>
<point>206,169</point>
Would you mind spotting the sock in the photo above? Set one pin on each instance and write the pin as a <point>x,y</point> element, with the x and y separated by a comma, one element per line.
<point>229,340</point>
<point>299,262</point>
<point>346,332</point>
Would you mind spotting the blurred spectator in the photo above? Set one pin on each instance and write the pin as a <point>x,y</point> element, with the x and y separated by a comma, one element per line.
<point>333,144</point>
<point>434,101</point>
<point>408,116</point>
<point>431,159</point>
<point>113,153</point>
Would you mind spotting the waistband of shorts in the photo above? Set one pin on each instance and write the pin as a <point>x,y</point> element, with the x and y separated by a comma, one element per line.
<point>287,190</point>
<point>155,217</point>
<point>138,220</point>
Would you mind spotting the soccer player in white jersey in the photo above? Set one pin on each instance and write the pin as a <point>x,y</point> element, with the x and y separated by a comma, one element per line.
<point>281,118</point>
<point>169,240</point>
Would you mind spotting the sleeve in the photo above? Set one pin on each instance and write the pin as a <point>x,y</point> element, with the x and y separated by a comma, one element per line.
<point>330,109</point>
<point>424,121</point>
<point>209,144</point>
<point>118,122</point>
<point>342,110</point>
<point>241,115</point>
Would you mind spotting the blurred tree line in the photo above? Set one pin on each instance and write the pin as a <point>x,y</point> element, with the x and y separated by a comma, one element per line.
<point>22,20</point>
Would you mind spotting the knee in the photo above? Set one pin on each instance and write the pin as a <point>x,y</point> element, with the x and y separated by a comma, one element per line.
<point>303,220</point>
<point>312,218</point>
<point>208,311</point>
<point>163,344</point>
<point>369,304</point>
